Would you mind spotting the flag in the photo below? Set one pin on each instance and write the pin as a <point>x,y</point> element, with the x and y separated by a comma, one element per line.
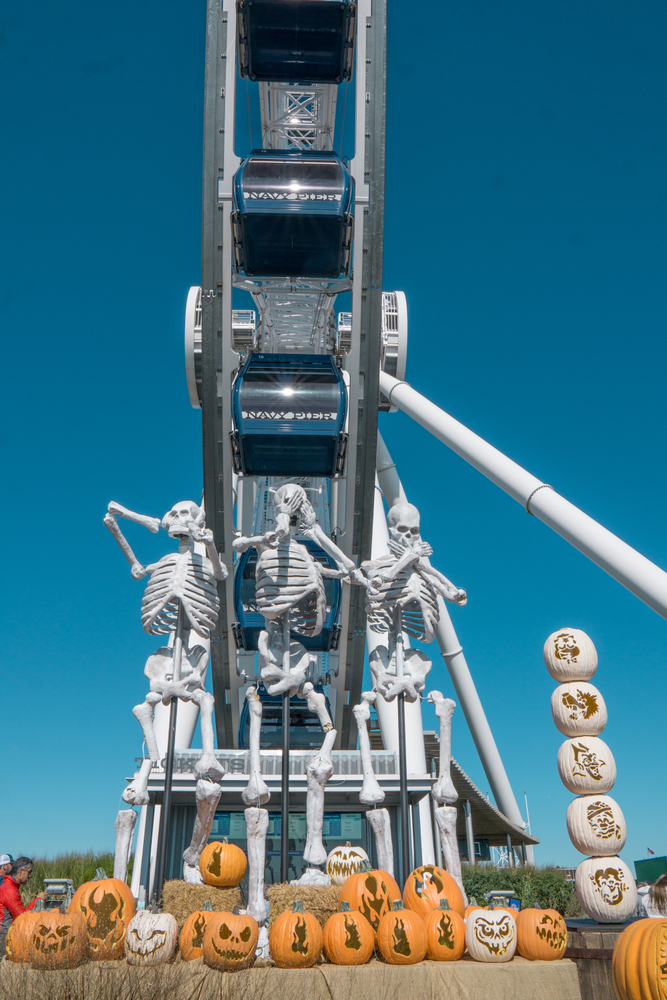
<point>650,851</point>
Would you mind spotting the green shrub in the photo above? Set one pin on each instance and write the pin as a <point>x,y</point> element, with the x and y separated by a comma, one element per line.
<point>79,867</point>
<point>544,887</point>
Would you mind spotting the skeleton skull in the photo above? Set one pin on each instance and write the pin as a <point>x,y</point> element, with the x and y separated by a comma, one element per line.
<point>179,520</point>
<point>403,524</point>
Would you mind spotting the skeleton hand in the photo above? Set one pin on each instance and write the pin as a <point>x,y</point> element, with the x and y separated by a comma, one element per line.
<point>204,535</point>
<point>461,598</point>
<point>424,549</point>
<point>138,571</point>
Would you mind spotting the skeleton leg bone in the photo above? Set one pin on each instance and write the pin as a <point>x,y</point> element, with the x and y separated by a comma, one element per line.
<point>443,790</point>
<point>317,704</point>
<point>208,795</point>
<point>445,817</point>
<point>207,766</point>
<point>381,824</point>
<point>136,793</point>
<point>257,823</point>
<point>256,791</point>
<point>124,827</point>
<point>371,793</point>
<point>318,772</point>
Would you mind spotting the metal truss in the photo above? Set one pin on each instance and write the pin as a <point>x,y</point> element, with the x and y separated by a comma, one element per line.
<point>295,315</point>
<point>297,117</point>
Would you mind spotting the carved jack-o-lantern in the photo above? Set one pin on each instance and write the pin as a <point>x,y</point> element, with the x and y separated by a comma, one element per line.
<point>427,885</point>
<point>491,935</point>
<point>569,655</point>
<point>402,936</point>
<point>606,889</point>
<point>586,765</point>
<point>151,938</point>
<point>541,934</point>
<point>578,709</point>
<point>445,934</point>
<point>191,938</point>
<point>19,934</point>
<point>296,938</point>
<point>107,905</point>
<point>59,940</point>
<point>222,864</point>
<point>596,825</point>
<point>348,937</point>
<point>371,892</point>
<point>230,940</point>
<point>344,861</point>
<point>639,964</point>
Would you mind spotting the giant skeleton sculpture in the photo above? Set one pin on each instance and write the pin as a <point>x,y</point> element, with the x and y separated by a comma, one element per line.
<point>290,595</point>
<point>402,597</point>
<point>180,598</point>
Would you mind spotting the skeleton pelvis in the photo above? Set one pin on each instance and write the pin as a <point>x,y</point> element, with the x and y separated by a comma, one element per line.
<point>383,664</point>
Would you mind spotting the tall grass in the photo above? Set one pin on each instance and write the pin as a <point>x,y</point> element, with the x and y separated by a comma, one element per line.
<point>79,867</point>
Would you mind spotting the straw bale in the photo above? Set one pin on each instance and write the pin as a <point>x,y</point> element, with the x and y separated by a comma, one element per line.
<point>321,901</point>
<point>181,899</point>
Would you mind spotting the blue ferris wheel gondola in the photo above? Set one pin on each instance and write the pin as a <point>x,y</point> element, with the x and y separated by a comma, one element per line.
<point>249,622</point>
<point>292,215</point>
<point>296,41</point>
<point>288,414</point>
<point>305,727</point>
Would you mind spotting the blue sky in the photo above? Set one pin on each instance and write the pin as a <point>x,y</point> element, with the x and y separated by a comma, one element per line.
<point>525,220</point>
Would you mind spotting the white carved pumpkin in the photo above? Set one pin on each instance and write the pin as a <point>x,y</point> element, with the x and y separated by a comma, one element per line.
<point>578,709</point>
<point>570,655</point>
<point>151,938</point>
<point>491,935</point>
<point>344,861</point>
<point>606,890</point>
<point>596,825</point>
<point>586,765</point>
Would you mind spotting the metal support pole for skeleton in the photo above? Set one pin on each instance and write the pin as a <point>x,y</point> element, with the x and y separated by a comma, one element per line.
<point>284,801</point>
<point>641,577</point>
<point>470,837</point>
<point>163,841</point>
<point>406,863</point>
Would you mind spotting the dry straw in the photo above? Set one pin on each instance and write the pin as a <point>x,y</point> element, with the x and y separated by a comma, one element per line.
<point>321,901</point>
<point>181,899</point>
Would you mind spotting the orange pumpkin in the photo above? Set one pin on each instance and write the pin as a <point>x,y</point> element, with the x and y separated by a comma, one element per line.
<point>19,935</point>
<point>639,965</point>
<point>191,940</point>
<point>402,936</point>
<point>445,934</point>
<point>541,934</point>
<point>107,905</point>
<point>230,940</point>
<point>371,892</point>
<point>349,939</point>
<point>427,885</point>
<point>295,940</point>
<point>222,864</point>
<point>58,941</point>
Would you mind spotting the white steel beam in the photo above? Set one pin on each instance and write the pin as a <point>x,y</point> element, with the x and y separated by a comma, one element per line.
<point>641,577</point>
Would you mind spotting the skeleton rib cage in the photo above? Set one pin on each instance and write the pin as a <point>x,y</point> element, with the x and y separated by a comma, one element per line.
<point>290,580</point>
<point>186,577</point>
<point>417,598</point>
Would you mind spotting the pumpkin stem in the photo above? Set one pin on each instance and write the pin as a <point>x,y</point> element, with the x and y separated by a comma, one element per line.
<point>344,907</point>
<point>235,911</point>
<point>444,904</point>
<point>365,866</point>
<point>491,906</point>
<point>398,904</point>
<point>100,874</point>
<point>207,906</point>
<point>297,906</point>
<point>472,901</point>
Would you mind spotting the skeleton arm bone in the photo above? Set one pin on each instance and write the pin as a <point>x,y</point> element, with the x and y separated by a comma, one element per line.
<point>152,523</point>
<point>446,587</point>
<point>254,541</point>
<point>138,571</point>
<point>205,535</point>
<point>317,535</point>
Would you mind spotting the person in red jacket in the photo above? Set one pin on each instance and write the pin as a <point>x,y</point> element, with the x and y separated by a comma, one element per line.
<point>11,903</point>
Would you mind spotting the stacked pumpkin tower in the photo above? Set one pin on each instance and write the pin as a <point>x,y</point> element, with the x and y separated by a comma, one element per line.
<point>605,887</point>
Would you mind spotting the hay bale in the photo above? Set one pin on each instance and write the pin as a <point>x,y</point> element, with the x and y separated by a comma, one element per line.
<point>321,901</point>
<point>181,899</point>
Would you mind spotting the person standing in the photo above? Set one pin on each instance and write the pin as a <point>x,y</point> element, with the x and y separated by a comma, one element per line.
<point>655,900</point>
<point>6,862</point>
<point>11,903</point>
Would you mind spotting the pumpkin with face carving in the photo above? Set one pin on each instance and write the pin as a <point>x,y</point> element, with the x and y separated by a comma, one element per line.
<point>107,905</point>
<point>606,889</point>
<point>19,934</point>
<point>427,885</point>
<point>348,937</point>
<point>344,861</point>
<point>569,655</point>
<point>191,939</point>
<point>58,940</point>
<point>230,940</point>
<point>371,892</point>
<point>445,934</point>
<point>222,864</point>
<point>578,709</point>
<point>151,938</point>
<point>541,934</point>
<point>491,935</point>
<point>295,940</point>
<point>402,936</point>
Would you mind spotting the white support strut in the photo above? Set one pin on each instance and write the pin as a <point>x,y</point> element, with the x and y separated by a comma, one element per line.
<point>641,577</point>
